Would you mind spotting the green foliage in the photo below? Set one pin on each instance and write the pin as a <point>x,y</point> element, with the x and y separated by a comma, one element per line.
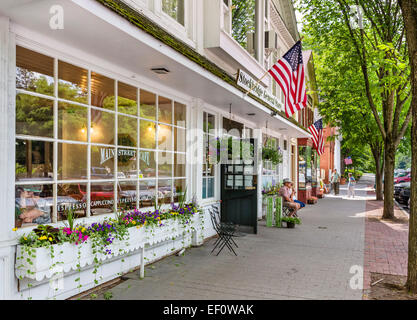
<point>344,99</point>
<point>108,295</point>
<point>295,220</point>
<point>271,154</point>
<point>243,20</point>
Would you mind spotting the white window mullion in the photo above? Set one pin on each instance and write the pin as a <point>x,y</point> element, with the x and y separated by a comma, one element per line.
<point>156,148</point>
<point>55,145</point>
<point>116,156</point>
<point>137,149</point>
<point>89,145</point>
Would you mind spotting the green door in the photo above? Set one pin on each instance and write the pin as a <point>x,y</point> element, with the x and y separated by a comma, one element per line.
<point>239,192</point>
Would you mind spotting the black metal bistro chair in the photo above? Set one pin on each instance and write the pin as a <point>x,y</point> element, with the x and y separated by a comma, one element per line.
<point>287,211</point>
<point>225,231</point>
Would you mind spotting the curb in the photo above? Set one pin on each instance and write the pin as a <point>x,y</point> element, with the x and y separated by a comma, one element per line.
<point>401,208</point>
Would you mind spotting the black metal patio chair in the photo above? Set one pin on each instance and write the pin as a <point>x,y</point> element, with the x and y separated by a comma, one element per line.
<point>225,231</point>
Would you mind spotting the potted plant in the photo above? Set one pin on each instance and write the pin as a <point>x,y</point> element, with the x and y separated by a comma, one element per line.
<point>291,221</point>
<point>271,154</point>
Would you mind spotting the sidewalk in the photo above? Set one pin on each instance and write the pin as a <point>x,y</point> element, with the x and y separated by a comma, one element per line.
<point>312,261</point>
<point>386,243</point>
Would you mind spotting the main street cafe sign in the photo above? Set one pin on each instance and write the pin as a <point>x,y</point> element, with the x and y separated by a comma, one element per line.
<point>246,82</point>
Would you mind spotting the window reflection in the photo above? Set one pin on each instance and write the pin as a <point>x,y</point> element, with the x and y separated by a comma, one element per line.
<point>102,198</point>
<point>127,131</point>
<point>179,189</point>
<point>102,162</point>
<point>175,9</point>
<point>72,161</point>
<point>72,122</point>
<point>164,164</point>
<point>72,83</point>
<point>34,160</point>
<point>127,195</point>
<point>71,197</point>
<point>34,116</point>
<point>147,105</point>
<point>126,163</point>
<point>147,193</point>
<point>102,127</point>
<point>34,71</point>
<point>164,137</point>
<point>147,164</point>
<point>164,110</point>
<point>33,204</point>
<point>102,91</point>
<point>147,134</point>
<point>127,99</point>
<point>164,191</point>
<point>180,113</point>
<point>179,165</point>
<point>179,140</point>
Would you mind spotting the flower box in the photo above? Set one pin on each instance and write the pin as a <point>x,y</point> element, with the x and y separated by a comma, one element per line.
<point>45,262</point>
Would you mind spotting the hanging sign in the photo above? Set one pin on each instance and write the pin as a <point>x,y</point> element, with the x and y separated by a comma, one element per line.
<point>246,82</point>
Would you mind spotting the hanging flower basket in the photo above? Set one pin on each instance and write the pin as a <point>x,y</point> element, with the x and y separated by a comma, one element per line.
<point>272,154</point>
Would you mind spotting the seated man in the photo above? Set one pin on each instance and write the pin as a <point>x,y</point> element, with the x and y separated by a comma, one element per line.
<point>286,193</point>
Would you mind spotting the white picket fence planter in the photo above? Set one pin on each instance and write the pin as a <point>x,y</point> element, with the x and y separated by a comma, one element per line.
<point>69,256</point>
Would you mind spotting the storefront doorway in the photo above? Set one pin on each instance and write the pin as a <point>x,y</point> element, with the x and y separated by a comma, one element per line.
<point>239,189</point>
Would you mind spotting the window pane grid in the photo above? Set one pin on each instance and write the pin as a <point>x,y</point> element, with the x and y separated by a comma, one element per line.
<point>76,110</point>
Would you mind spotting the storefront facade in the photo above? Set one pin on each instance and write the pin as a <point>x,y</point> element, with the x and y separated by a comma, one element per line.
<point>106,121</point>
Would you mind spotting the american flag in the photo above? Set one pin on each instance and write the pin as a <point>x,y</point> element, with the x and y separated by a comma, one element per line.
<point>316,129</point>
<point>289,73</point>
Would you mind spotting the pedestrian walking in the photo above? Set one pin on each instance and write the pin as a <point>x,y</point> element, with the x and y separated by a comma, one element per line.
<point>351,185</point>
<point>335,182</point>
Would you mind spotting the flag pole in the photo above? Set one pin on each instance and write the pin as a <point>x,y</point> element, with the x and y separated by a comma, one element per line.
<point>260,79</point>
<point>257,82</point>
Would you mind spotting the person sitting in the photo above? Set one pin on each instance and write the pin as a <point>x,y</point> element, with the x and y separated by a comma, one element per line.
<point>287,194</point>
<point>302,204</point>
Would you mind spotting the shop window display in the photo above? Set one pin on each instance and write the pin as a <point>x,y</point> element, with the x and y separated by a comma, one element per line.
<point>101,168</point>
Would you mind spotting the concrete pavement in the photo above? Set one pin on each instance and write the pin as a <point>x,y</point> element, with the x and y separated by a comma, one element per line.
<point>312,261</point>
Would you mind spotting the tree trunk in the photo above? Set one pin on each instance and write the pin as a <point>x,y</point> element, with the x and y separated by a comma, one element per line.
<point>389,162</point>
<point>378,179</point>
<point>409,12</point>
<point>376,153</point>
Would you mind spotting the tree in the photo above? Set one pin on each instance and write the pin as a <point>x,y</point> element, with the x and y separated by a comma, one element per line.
<point>409,13</point>
<point>243,20</point>
<point>381,50</point>
<point>343,102</point>
<point>380,56</point>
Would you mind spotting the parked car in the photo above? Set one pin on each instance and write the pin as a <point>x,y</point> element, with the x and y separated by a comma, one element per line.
<point>405,195</point>
<point>406,177</point>
<point>398,188</point>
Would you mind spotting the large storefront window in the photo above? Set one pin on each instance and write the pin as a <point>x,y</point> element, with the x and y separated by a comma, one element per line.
<point>87,142</point>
